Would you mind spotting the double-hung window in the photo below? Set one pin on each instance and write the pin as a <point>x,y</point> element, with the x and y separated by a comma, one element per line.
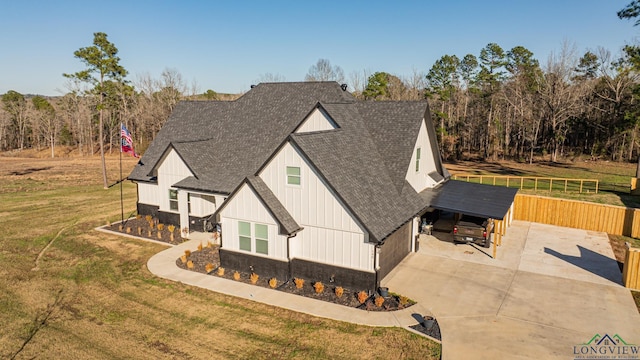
<point>293,175</point>
<point>244,234</point>
<point>262,239</point>
<point>173,200</point>
<point>259,237</point>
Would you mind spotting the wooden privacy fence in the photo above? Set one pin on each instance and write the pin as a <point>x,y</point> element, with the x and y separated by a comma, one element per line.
<point>533,182</point>
<point>616,220</point>
<point>631,270</point>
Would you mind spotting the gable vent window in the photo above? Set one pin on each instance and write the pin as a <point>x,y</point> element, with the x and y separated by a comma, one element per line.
<point>417,159</point>
<point>173,200</point>
<point>293,175</point>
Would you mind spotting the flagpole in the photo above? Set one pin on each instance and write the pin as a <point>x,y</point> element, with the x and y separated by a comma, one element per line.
<point>121,197</point>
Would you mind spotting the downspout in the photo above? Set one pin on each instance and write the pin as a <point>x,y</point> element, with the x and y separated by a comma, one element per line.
<point>376,264</point>
<point>290,269</point>
<point>289,257</point>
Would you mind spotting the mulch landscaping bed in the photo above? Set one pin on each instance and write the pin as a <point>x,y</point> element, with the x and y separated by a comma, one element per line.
<point>429,326</point>
<point>208,258</point>
<point>209,255</point>
<point>141,227</point>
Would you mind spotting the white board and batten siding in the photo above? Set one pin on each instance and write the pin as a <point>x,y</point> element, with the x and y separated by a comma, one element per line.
<point>330,235</point>
<point>148,194</point>
<point>420,179</point>
<point>203,204</point>
<point>246,206</point>
<point>318,120</point>
<point>171,170</point>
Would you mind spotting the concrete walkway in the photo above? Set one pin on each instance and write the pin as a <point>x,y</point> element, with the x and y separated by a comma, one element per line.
<point>164,265</point>
<point>548,290</point>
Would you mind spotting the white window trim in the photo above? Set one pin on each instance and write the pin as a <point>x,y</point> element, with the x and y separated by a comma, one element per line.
<point>176,201</point>
<point>299,176</point>
<point>253,238</point>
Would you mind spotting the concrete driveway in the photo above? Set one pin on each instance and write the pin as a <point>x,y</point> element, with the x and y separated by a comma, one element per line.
<point>549,291</point>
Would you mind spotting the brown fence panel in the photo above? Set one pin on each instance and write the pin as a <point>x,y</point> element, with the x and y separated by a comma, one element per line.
<point>631,270</point>
<point>611,219</point>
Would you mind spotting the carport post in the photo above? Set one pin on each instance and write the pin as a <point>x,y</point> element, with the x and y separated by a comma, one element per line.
<point>495,242</point>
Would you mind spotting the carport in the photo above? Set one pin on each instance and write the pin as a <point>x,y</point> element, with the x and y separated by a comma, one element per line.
<point>474,199</point>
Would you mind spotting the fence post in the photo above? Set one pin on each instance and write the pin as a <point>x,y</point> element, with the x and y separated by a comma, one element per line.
<point>597,186</point>
<point>630,276</point>
<point>581,182</point>
<point>565,185</point>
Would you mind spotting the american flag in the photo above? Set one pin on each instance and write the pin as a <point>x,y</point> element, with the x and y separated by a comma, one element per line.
<point>126,142</point>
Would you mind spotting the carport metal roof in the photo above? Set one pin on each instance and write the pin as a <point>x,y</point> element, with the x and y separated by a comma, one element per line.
<point>471,198</point>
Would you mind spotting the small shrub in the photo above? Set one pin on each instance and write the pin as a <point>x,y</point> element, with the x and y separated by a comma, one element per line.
<point>200,247</point>
<point>171,228</point>
<point>138,216</point>
<point>339,291</point>
<point>319,287</point>
<point>236,275</point>
<point>189,264</point>
<point>187,253</point>
<point>209,267</point>
<point>160,227</point>
<point>152,225</point>
<point>362,296</point>
<point>159,235</point>
<point>209,244</point>
<point>379,301</point>
<point>273,282</point>
<point>171,237</point>
<point>149,233</point>
<point>139,230</point>
<point>120,227</point>
<point>254,278</point>
<point>183,258</point>
<point>220,271</point>
<point>128,229</point>
<point>299,282</point>
<point>149,218</point>
<point>403,300</point>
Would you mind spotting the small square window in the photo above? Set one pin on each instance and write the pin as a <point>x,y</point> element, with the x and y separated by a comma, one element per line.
<point>293,175</point>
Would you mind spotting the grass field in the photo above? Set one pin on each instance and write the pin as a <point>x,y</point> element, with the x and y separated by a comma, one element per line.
<point>68,291</point>
<point>614,179</point>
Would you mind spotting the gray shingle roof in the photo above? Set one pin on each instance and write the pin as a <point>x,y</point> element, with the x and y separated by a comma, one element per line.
<point>364,161</point>
<point>351,162</point>
<point>226,141</point>
<point>288,225</point>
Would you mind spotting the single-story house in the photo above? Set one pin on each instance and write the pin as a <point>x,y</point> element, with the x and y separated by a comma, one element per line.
<point>302,180</point>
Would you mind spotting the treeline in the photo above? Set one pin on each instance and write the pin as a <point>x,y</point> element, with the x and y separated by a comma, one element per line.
<point>37,122</point>
<point>507,104</point>
<point>496,104</point>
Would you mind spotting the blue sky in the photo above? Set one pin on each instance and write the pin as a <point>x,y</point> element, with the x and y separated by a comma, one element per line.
<point>228,45</point>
